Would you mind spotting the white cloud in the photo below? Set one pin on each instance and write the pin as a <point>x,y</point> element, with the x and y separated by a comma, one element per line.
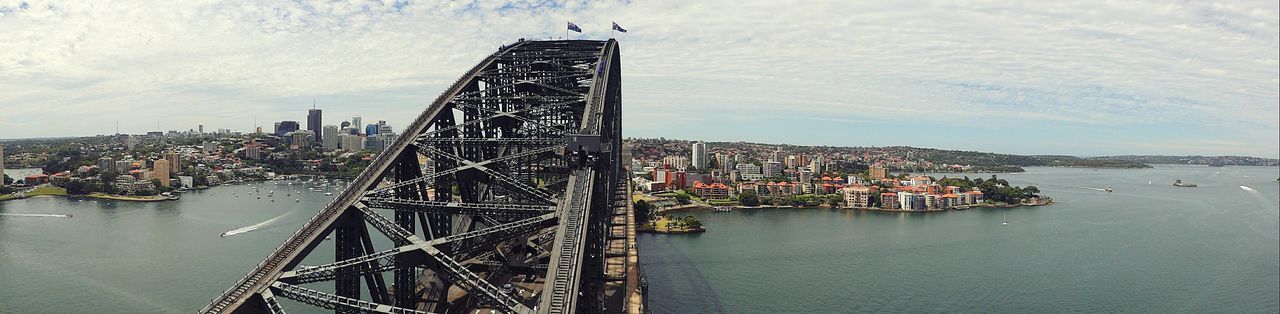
<point>75,67</point>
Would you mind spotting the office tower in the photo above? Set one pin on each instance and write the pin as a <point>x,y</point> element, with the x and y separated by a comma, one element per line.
<point>355,122</point>
<point>330,141</point>
<point>352,142</point>
<point>284,127</point>
<point>383,127</point>
<point>313,122</point>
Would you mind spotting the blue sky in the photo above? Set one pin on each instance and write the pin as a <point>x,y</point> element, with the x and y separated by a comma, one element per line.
<point>1079,78</point>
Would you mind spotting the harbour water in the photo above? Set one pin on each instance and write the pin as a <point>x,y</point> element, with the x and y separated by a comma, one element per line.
<point>1142,248</point>
<point>128,257</point>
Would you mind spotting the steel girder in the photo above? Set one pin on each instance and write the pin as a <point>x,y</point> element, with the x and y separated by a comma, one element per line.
<point>505,158</point>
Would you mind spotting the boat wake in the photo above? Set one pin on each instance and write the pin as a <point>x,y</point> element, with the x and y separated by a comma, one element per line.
<point>1092,188</point>
<point>38,215</point>
<point>1249,189</point>
<point>254,226</point>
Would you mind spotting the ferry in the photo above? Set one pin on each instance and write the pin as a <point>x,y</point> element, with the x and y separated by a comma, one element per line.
<point>1179,183</point>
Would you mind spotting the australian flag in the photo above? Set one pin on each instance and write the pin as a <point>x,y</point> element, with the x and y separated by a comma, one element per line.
<point>574,27</point>
<point>618,28</point>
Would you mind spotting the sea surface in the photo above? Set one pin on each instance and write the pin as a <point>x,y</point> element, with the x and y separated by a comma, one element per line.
<point>163,257</point>
<point>1142,248</point>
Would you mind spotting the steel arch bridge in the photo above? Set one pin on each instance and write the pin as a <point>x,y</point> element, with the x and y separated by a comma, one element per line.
<point>515,170</point>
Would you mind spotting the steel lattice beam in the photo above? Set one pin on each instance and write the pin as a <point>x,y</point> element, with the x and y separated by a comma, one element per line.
<point>498,146</point>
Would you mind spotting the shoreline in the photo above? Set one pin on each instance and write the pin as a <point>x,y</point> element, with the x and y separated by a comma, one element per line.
<point>127,198</point>
<point>870,209</point>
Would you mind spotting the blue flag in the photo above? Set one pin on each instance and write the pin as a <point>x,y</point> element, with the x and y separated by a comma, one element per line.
<point>618,28</point>
<point>574,27</point>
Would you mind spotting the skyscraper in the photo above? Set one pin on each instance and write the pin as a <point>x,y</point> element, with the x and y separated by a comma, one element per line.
<point>699,156</point>
<point>355,122</point>
<point>330,135</point>
<point>313,122</point>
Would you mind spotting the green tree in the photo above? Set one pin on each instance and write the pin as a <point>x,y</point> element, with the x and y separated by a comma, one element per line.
<point>692,222</point>
<point>77,187</point>
<point>682,198</point>
<point>749,198</point>
<point>1030,191</point>
<point>643,210</point>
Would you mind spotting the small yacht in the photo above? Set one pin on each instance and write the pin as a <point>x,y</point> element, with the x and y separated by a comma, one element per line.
<point>1108,189</point>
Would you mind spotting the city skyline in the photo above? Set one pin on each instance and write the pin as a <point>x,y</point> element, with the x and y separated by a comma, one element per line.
<point>1081,79</point>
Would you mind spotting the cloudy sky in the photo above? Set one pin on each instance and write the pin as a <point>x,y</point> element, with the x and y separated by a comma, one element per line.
<point>1053,77</point>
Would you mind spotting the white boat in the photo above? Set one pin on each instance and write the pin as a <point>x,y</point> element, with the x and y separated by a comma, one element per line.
<point>328,193</point>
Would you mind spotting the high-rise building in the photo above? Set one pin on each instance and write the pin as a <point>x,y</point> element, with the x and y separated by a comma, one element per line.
<point>252,152</point>
<point>123,166</point>
<point>749,171</point>
<point>352,142</point>
<point>160,171</point>
<point>370,129</point>
<point>879,173</point>
<point>300,139</point>
<point>383,127</point>
<point>210,147</point>
<point>771,169</point>
<point>201,128</point>
<point>284,127</point>
<point>175,164</point>
<point>330,136</point>
<point>107,165</point>
<point>385,139</point>
<point>355,122</point>
<point>699,159</point>
<point>313,123</point>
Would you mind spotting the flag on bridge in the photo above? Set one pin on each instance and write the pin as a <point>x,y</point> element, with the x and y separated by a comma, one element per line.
<point>618,28</point>
<point>574,27</point>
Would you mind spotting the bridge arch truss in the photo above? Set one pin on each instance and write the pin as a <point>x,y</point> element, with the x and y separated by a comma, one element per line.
<point>512,171</point>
